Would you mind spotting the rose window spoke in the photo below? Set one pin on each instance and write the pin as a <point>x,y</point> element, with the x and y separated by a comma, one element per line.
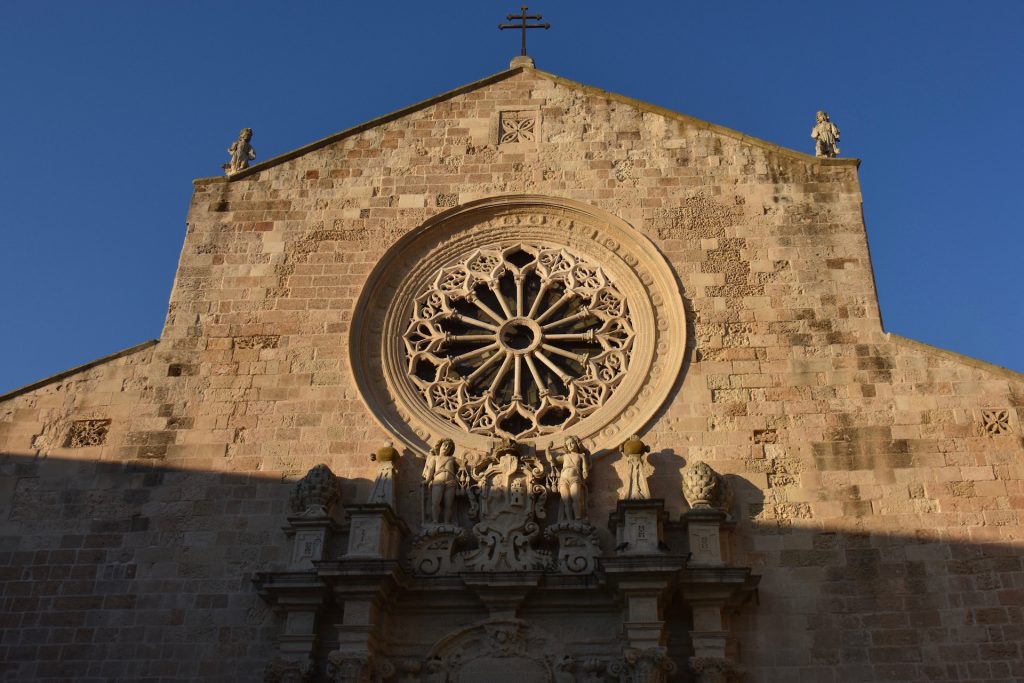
<point>518,340</point>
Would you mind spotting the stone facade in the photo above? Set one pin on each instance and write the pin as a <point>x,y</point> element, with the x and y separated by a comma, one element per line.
<point>875,483</point>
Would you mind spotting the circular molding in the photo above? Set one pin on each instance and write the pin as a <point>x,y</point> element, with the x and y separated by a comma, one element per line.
<point>378,350</point>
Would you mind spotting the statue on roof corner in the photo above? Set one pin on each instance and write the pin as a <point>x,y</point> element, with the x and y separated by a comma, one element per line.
<point>826,136</point>
<point>241,153</point>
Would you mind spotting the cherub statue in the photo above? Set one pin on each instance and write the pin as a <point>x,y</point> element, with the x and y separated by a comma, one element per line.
<point>573,466</point>
<point>635,452</point>
<point>241,153</point>
<point>440,483</point>
<point>826,136</point>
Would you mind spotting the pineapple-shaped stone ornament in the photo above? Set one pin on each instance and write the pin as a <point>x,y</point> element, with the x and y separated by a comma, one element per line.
<point>702,487</point>
<point>316,493</point>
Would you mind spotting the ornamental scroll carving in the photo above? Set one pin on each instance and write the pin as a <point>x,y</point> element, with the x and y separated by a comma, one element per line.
<point>519,340</point>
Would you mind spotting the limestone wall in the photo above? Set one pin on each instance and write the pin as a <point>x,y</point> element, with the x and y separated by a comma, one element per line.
<point>878,482</point>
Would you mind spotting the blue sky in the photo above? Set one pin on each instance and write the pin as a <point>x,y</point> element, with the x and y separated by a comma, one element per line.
<point>110,108</point>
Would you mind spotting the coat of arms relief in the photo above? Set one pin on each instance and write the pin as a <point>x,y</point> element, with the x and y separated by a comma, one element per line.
<point>502,498</point>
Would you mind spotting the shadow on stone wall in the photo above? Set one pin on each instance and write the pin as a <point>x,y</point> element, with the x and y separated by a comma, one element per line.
<point>140,572</point>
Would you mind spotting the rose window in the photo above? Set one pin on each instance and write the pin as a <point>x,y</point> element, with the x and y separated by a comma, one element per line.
<point>518,341</point>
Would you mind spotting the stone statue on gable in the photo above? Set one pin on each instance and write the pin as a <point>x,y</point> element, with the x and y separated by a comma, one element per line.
<point>826,136</point>
<point>241,153</point>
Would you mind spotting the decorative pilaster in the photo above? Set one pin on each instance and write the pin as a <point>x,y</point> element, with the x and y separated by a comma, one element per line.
<point>642,572</point>
<point>710,586</point>
<point>639,527</point>
<point>374,531</point>
<point>298,593</point>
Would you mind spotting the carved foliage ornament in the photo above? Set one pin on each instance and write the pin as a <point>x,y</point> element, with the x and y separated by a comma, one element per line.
<point>518,126</point>
<point>518,340</point>
<point>84,433</point>
<point>995,421</point>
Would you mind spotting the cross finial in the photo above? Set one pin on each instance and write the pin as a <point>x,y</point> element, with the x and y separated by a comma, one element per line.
<point>523,25</point>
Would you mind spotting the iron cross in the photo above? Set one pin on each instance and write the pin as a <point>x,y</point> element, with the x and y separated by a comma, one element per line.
<point>523,26</point>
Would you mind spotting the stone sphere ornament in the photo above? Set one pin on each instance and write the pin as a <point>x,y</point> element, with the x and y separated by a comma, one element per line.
<point>385,454</point>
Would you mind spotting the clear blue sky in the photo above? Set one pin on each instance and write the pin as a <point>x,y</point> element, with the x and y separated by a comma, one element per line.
<point>109,110</point>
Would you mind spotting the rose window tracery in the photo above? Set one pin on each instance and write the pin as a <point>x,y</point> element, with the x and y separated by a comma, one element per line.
<point>518,340</point>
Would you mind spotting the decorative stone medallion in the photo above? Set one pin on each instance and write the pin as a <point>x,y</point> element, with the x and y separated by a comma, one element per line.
<point>518,317</point>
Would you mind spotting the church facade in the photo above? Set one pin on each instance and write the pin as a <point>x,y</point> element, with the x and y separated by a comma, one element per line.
<point>529,382</point>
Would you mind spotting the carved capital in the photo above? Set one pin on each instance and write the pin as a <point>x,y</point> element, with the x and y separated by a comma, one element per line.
<point>358,667</point>
<point>281,670</point>
<point>715,670</point>
<point>651,665</point>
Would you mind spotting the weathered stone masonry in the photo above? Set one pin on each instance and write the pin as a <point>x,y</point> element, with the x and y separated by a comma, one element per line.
<point>877,481</point>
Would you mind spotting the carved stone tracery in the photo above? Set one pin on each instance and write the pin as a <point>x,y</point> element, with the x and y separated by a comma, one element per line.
<point>995,421</point>
<point>414,352</point>
<point>518,340</point>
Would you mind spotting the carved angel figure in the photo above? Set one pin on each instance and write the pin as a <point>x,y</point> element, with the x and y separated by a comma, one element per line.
<point>574,468</point>
<point>440,482</point>
<point>241,152</point>
<point>826,136</point>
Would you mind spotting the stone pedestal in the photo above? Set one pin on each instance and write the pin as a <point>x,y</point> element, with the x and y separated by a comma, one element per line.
<point>311,535</point>
<point>703,530</point>
<point>639,527</point>
<point>711,588</point>
<point>299,596</point>
<point>374,531</point>
<point>643,574</point>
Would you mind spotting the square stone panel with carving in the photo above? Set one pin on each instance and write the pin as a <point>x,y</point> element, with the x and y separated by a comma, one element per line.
<point>85,433</point>
<point>517,126</point>
<point>995,421</point>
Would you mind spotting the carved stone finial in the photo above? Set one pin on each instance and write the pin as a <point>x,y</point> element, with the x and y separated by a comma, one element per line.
<point>702,486</point>
<point>241,153</point>
<point>826,136</point>
<point>635,452</point>
<point>316,493</point>
<point>383,491</point>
